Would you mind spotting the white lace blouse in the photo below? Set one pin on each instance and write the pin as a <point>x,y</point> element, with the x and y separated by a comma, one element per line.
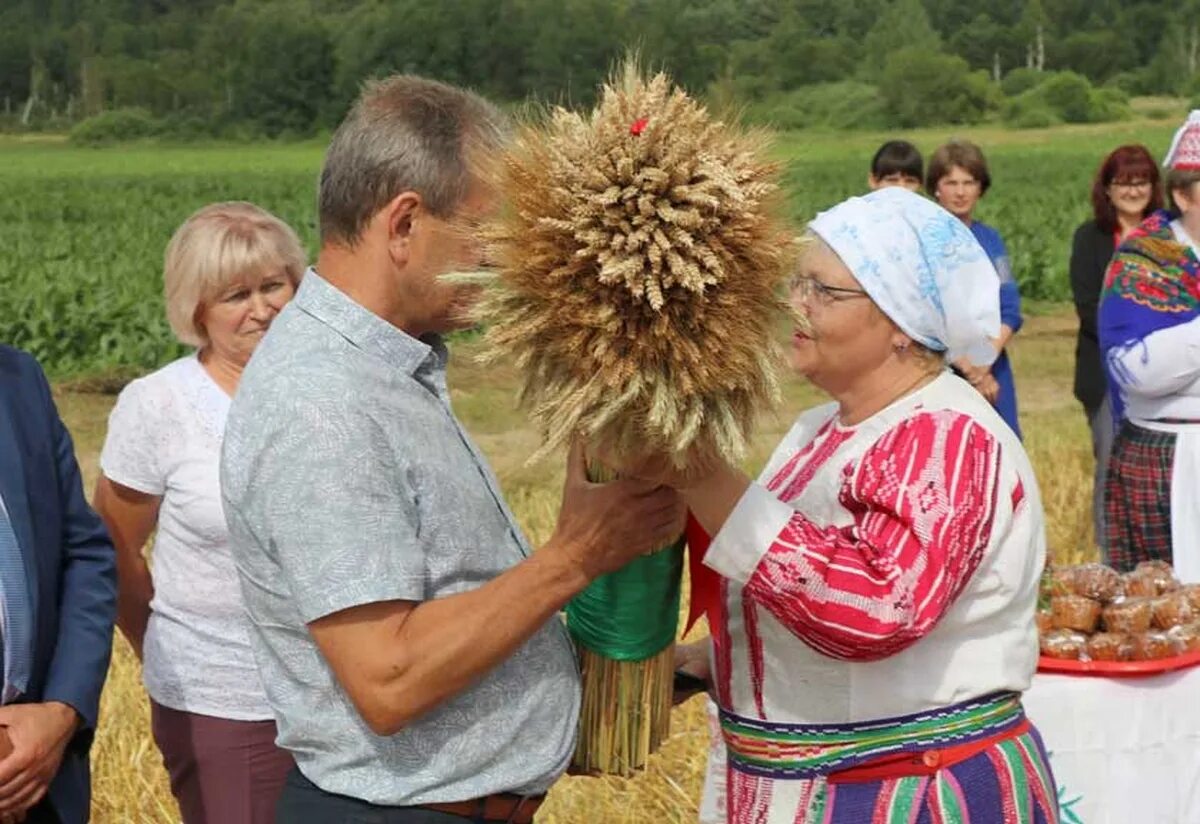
<point>164,438</point>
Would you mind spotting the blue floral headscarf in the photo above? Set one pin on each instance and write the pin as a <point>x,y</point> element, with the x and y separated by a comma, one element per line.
<point>922,267</point>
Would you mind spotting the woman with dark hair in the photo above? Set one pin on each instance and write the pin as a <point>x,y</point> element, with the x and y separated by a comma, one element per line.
<point>1125,191</point>
<point>1149,329</point>
<point>897,163</point>
<point>958,178</point>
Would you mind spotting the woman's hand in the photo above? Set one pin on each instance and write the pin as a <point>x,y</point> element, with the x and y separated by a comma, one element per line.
<point>989,387</point>
<point>972,373</point>
<point>979,377</point>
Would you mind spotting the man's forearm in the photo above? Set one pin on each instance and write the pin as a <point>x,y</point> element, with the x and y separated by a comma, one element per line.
<point>438,648</point>
<point>398,659</point>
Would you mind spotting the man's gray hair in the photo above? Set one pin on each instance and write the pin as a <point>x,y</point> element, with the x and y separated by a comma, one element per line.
<point>404,133</point>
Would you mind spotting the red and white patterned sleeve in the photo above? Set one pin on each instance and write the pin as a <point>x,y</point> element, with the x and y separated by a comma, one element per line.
<point>924,501</point>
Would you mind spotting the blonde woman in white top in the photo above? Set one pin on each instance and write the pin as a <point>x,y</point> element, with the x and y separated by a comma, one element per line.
<point>229,270</point>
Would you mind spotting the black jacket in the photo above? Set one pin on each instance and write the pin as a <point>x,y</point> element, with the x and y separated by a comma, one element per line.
<point>1091,250</point>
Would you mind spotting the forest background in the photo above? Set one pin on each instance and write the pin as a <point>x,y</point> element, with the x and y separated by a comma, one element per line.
<point>185,70</point>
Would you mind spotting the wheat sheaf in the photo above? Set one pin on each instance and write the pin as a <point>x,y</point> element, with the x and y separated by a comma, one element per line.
<point>639,266</point>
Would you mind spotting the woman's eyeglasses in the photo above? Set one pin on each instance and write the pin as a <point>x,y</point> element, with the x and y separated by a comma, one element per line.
<point>809,288</point>
<point>1130,185</point>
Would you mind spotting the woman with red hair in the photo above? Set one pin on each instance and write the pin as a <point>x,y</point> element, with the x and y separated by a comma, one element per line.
<point>1125,191</point>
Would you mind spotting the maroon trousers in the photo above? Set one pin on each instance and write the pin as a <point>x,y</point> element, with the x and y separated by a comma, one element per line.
<point>222,771</point>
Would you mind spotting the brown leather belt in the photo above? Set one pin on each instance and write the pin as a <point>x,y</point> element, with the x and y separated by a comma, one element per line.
<point>505,807</point>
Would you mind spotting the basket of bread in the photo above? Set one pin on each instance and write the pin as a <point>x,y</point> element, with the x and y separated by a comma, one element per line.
<point>1093,620</point>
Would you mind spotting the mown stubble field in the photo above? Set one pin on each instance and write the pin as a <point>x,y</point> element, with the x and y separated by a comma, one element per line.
<point>129,782</point>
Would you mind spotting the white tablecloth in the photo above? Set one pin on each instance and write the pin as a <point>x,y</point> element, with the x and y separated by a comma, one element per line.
<point>1123,750</point>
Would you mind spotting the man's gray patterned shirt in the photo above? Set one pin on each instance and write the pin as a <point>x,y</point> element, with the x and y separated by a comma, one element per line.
<point>347,480</point>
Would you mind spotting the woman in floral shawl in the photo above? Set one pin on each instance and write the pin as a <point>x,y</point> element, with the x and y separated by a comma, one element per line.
<point>1149,327</point>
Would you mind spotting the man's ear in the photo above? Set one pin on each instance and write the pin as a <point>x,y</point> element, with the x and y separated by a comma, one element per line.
<point>401,217</point>
<point>872,182</point>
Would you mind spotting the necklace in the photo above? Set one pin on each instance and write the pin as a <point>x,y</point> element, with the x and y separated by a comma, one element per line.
<point>922,379</point>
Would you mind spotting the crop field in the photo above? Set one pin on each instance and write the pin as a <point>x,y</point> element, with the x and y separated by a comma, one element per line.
<point>84,231</point>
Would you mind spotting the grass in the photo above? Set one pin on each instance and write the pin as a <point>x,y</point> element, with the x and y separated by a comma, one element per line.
<point>129,783</point>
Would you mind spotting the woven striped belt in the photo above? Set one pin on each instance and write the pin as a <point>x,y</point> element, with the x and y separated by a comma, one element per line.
<point>812,750</point>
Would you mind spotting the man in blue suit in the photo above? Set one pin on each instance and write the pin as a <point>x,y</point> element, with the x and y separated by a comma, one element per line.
<point>57,606</point>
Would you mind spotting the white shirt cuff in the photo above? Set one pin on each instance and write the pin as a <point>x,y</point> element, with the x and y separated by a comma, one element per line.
<point>751,529</point>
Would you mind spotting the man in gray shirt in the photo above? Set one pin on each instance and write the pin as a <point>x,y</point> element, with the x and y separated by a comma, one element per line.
<point>407,637</point>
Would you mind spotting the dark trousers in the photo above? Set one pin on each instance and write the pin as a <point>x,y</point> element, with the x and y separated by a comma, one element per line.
<point>222,771</point>
<point>42,813</point>
<point>303,802</point>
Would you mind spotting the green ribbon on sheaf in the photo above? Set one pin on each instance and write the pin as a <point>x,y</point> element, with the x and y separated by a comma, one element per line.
<point>631,614</point>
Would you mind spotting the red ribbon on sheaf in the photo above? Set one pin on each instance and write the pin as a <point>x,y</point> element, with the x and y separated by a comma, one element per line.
<point>639,126</point>
<point>706,582</point>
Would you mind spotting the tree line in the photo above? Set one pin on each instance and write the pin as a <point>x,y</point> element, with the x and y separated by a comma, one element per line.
<point>289,67</point>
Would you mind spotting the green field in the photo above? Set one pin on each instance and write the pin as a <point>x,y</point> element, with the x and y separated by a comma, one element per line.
<point>84,229</point>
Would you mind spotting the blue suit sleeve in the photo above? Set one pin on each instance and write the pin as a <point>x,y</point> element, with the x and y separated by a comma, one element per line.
<point>88,595</point>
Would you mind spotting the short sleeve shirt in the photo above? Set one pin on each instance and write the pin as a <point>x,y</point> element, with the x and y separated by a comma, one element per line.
<point>348,480</point>
<point>164,439</point>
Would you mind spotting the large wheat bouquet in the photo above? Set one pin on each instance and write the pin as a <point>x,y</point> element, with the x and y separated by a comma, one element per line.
<point>639,291</point>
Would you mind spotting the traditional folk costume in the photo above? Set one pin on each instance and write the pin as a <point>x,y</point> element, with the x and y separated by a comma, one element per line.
<point>874,627</point>
<point>1149,328</point>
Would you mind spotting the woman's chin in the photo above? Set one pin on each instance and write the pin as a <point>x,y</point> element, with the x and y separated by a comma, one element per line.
<point>802,362</point>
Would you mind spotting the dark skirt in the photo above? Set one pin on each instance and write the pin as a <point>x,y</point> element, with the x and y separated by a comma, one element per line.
<point>1137,497</point>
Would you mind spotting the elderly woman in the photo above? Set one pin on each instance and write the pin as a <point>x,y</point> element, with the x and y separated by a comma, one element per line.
<point>874,625</point>
<point>958,178</point>
<point>229,269</point>
<point>1150,342</point>
<point>1125,191</point>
